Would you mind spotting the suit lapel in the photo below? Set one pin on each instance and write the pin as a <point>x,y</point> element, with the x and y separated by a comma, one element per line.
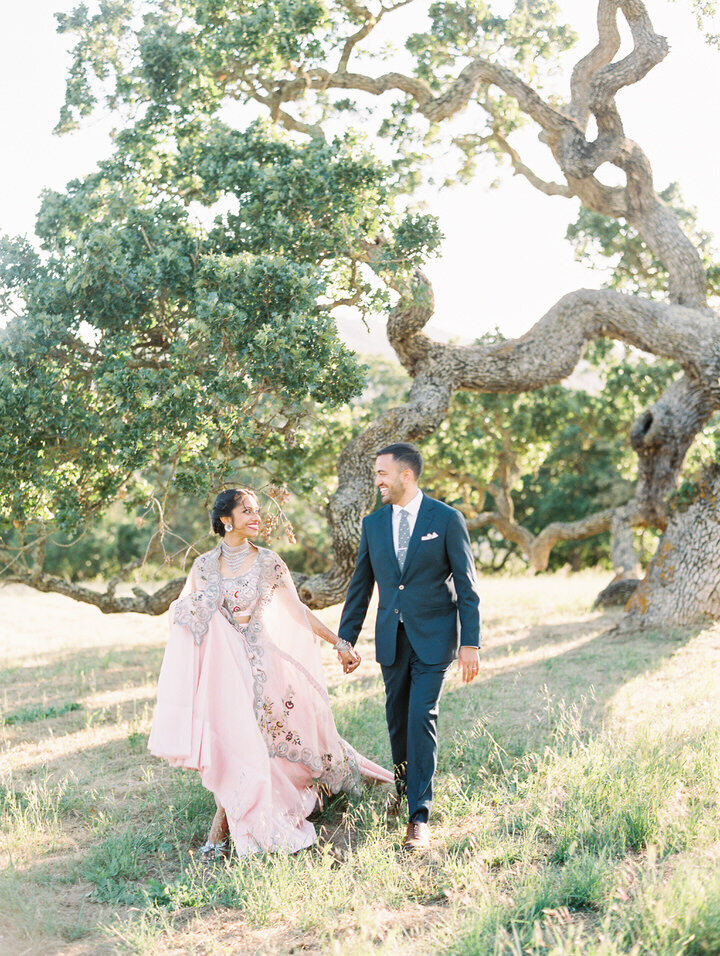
<point>421,523</point>
<point>387,534</point>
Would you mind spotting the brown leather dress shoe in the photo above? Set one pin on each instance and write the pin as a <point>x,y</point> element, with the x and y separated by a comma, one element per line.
<point>417,836</point>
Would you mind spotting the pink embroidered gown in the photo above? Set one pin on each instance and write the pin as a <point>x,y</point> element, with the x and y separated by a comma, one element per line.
<point>247,706</point>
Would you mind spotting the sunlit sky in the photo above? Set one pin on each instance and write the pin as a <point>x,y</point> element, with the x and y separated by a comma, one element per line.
<point>504,259</point>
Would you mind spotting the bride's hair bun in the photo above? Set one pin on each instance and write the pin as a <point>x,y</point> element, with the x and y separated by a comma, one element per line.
<point>224,504</point>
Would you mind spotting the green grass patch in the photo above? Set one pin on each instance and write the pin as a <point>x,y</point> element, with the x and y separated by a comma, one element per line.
<point>550,831</point>
<point>550,834</point>
<point>613,795</point>
<point>678,914</point>
<point>28,715</point>
<point>127,865</point>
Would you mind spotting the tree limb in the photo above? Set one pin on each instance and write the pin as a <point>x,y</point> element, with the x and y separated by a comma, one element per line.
<point>106,601</point>
<point>521,169</point>
<point>508,528</point>
<point>585,70</point>
<point>551,349</point>
<point>594,85</point>
<point>546,354</point>
<point>558,531</point>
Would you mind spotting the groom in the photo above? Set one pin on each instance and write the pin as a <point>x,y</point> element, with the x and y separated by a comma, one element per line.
<point>418,551</point>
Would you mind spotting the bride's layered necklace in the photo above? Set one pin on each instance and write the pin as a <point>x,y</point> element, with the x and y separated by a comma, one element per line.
<point>234,558</point>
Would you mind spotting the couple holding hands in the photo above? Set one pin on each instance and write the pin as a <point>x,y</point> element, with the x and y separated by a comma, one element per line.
<point>242,696</point>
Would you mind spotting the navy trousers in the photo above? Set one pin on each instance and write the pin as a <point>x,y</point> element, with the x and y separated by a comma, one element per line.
<point>412,694</point>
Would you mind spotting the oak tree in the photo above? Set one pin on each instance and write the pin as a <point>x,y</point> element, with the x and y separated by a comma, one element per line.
<point>465,83</point>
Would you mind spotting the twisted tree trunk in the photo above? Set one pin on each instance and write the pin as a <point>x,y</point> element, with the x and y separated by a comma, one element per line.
<point>682,585</point>
<point>426,407</point>
<point>546,354</point>
<point>682,328</point>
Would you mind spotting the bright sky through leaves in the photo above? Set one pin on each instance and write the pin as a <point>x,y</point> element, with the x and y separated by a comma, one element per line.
<point>504,260</point>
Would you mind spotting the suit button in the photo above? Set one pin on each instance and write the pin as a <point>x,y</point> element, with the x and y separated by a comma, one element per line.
<point>402,587</point>
<point>397,610</point>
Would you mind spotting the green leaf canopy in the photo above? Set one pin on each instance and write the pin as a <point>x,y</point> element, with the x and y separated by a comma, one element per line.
<point>176,315</point>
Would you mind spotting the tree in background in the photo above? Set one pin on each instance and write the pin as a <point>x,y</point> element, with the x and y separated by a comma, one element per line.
<point>458,79</point>
<point>152,354</point>
<point>521,463</point>
<point>467,83</point>
<point>515,465</point>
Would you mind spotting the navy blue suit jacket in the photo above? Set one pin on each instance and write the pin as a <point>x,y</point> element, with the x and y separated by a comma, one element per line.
<point>436,592</point>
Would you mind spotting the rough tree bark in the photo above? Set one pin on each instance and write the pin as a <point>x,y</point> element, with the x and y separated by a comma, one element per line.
<point>107,601</point>
<point>682,328</point>
<point>682,584</point>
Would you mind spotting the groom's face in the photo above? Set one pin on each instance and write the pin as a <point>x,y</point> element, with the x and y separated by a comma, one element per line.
<point>391,478</point>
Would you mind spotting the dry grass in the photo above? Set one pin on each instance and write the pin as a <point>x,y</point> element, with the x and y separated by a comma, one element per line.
<point>81,794</point>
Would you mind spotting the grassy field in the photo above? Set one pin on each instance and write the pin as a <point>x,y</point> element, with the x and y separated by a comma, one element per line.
<point>577,805</point>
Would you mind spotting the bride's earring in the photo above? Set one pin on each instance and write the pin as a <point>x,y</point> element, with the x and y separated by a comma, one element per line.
<point>228,527</point>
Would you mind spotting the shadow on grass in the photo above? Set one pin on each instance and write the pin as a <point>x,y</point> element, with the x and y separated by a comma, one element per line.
<point>78,672</point>
<point>540,636</point>
<point>515,699</point>
<point>525,682</point>
<point>519,704</point>
<point>525,686</point>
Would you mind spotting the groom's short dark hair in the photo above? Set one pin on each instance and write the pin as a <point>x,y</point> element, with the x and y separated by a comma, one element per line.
<point>406,454</point>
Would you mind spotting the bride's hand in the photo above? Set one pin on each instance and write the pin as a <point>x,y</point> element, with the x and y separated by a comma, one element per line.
<point>349,658</point>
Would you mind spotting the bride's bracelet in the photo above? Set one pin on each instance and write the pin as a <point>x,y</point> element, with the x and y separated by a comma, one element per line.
<point>343,647</point>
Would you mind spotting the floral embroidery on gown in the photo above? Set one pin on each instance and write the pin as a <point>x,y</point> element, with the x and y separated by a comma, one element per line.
<point>247,706</point>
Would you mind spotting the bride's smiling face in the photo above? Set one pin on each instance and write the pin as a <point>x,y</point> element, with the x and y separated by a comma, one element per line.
<point>245,517</point>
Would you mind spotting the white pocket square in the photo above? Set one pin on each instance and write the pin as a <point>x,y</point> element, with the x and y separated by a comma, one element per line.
<point>429,537</point>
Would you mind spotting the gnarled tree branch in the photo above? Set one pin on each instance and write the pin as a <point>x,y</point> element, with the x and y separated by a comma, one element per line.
<point>545,355</point>
<point>106,601</point>
<point>596,80</point>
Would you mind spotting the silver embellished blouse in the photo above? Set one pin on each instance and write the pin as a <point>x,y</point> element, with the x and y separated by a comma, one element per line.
<point>241,592</point>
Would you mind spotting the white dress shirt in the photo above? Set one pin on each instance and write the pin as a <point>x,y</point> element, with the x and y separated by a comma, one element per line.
<point>412,508</point>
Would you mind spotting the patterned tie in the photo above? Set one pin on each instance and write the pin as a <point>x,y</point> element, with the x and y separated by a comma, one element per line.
<point>403,538</point>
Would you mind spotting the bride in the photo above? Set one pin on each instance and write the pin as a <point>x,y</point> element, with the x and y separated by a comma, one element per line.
<point>241,695</point>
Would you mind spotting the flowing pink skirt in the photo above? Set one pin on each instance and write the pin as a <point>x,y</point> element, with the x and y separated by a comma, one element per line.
<point>205,720</point>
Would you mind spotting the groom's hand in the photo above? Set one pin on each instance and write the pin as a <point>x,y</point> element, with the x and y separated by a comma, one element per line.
<point>469,663</point>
